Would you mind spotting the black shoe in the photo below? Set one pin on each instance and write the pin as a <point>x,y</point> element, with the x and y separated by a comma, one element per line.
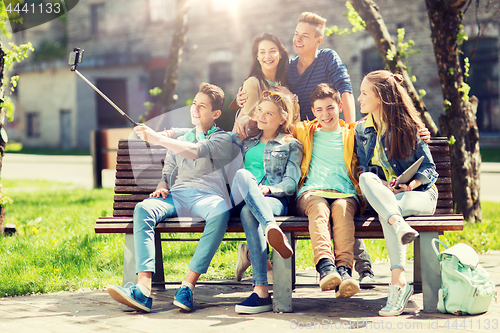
<point>255,304</point>
<point>329,278</point>
<point>349,286</point>
<point>367,279</point>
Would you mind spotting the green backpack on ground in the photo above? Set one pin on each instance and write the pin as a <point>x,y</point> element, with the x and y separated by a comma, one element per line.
<point>466,287</point>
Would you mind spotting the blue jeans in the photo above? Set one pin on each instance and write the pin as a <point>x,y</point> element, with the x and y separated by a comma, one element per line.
<point>181,202</point>
<point>386,204</point>
<point>257,213</point>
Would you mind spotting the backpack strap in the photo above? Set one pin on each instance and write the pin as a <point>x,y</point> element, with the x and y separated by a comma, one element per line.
<point>436,248</point>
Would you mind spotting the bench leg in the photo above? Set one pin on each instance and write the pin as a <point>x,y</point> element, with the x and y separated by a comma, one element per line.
<point>282,282</point>
<point>129,260</point>
<point>417,267</point>
<point>431,274</point>
<point>159,276</point>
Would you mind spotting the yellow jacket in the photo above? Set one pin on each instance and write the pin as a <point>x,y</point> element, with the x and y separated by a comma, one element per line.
<point>304,132</point>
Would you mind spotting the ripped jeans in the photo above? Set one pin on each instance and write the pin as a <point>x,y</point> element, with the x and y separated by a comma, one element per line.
<point>386,204</point>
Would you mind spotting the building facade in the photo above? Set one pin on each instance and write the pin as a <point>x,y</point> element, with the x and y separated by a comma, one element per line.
<point>127,44</point>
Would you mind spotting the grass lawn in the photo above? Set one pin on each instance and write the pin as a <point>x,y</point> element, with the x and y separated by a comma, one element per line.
<point>56,247</point>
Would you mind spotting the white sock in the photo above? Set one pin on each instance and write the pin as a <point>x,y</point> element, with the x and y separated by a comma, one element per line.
<point>144,290</point>
<point>189,284</point>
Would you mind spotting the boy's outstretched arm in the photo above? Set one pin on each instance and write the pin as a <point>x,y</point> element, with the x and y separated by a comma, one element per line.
<point>186,149</point>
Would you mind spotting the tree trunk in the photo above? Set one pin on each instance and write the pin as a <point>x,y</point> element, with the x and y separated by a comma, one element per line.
<point>375,24</point>
<point>460,119</point>
<point>170,82</point>
<point>3,142</point>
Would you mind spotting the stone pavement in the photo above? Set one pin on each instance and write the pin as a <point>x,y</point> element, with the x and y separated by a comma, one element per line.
<point>96,311</point>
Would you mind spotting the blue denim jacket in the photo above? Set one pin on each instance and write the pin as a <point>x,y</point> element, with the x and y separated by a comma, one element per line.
<point>282,159</point>
<point>366,139</point>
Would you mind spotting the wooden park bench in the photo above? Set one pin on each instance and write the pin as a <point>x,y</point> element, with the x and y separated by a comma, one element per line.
<point>138,171</point>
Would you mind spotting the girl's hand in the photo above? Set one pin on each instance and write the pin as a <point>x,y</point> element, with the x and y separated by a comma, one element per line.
<point>400,188</point>
<point>264,189</point>
<point>162,192</point>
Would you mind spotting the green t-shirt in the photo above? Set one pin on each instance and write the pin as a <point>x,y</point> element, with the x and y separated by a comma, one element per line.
<point>327,169</point>
<point>254,161</point>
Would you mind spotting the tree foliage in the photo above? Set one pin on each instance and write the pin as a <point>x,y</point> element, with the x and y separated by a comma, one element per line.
<point>15,53</point>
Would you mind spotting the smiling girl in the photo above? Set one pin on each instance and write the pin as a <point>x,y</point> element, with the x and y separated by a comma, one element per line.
<point>267,72</point>
<point>387,143</point>
<point>272,170</point>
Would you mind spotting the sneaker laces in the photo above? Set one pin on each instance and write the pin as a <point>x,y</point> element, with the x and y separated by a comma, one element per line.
<point>393,296</point>
<point>129,285</point>
<point>184,292</point>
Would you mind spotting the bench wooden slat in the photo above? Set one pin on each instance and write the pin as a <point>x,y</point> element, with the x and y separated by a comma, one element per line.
<point>138,166</point>
<point>123,205</point>
<point>130,212</point>
<point>287,223</point>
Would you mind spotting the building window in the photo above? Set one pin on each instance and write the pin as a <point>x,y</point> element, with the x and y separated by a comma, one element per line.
<point>371,61</point>
<point>33,124</point>
<point>483,80</point>
<point>159,11</point>
<point>219,73</point>
<point>96,18</point>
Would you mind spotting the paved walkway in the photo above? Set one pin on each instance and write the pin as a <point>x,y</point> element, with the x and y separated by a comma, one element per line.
<point>96,311</point>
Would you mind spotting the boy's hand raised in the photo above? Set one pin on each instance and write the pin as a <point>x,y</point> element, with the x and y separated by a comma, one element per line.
<point>241,98</point>
<point>424,134</point>
<point>245,127</point>
<point>145,133</point>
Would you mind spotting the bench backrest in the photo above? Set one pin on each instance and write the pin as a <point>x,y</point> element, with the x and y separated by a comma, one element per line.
<point>138,171</point>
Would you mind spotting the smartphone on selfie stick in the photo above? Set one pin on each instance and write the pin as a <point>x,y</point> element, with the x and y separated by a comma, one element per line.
<point>76,58</point>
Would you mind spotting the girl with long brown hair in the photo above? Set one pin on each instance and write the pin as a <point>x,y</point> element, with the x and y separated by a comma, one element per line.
<point>388,143</point>
<point>267,72</point>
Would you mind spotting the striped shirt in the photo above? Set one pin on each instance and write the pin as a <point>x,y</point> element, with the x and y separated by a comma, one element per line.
<point>326,68</point>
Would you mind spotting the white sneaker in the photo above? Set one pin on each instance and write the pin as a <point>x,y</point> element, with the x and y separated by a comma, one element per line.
<point>397,298</point>
<point>406,234</point>
<point>243,261</point>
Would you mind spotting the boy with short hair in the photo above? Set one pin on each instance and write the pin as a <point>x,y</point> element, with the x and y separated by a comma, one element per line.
<point>312,67</point>
<point>329,187</point>
<point>191,185</point>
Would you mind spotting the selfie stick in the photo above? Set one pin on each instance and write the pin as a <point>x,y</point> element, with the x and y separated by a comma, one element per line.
<point>75,58</point>
<point>106,98</point>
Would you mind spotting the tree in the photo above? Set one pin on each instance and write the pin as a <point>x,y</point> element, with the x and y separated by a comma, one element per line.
<point>170,82</point>
<point>16,53</point>
<point>459,123</point>
<point>369,12</point>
